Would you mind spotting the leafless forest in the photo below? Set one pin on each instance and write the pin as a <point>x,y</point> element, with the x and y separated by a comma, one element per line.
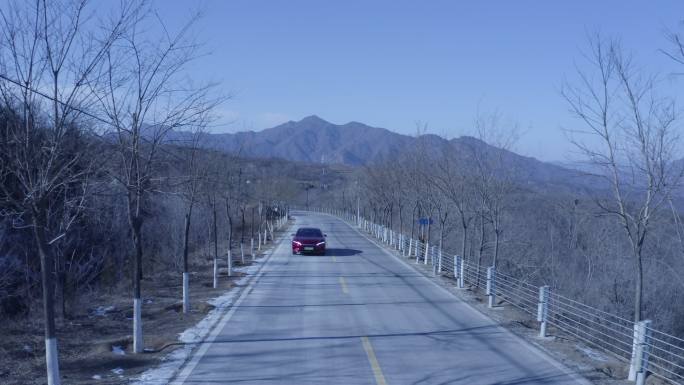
<point>97,196</point>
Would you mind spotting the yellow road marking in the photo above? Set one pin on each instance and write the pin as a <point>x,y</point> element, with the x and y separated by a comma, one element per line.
<point>334,259</point>
<point>377,372</point>
<point>344,285</point>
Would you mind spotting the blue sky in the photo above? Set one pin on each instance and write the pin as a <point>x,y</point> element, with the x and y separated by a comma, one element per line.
<point>394,63</point>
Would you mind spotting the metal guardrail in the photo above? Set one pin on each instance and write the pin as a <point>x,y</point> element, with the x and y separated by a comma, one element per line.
<point>647,351</point>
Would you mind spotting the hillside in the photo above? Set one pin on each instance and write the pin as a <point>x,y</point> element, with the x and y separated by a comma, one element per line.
<point>315,140</point>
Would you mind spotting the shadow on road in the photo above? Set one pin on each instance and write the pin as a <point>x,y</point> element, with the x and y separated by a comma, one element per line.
<point>342,252</point>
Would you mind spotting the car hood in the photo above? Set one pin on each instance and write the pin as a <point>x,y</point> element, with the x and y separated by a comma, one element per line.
<point>308,239</point>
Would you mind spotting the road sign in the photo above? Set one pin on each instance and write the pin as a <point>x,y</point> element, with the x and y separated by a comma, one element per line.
<point>425,221</point>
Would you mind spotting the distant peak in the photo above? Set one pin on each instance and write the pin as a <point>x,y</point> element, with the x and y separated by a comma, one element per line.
<point>313,119</point>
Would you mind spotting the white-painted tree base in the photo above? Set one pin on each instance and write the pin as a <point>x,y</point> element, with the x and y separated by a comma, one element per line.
<point>215,273</point>
<point>137,326</point>
<point>229,262</point>
<point>186,292</point>
<point>52,361</point>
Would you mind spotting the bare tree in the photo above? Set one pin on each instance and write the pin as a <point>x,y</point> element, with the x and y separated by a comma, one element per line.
<point>193,181</point>
<point>44,170</point>
<point>216,186</point>
<point>455,182</point>
<point>493,179</point>
<point>148,96</point>
<point>632,142</point>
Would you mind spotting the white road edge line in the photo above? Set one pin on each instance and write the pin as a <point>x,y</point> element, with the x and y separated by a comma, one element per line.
<point>534,349</point>
<point>206,344</point>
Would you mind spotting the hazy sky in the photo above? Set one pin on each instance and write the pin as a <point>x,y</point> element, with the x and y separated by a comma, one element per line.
<point>393,63</point>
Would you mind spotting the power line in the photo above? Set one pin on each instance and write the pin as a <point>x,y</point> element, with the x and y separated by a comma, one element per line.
<point>51,98</point>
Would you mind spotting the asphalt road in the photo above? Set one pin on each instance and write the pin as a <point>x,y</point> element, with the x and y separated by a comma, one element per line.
<point>359,316</point>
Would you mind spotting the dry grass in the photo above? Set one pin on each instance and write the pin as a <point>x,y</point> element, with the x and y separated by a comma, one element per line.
<point>86,340</point>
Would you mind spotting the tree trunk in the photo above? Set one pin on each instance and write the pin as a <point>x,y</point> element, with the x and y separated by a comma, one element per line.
<point>135,221</point>
<point>480,250</point>
<point>229,258</point>
<point>464,242</point>
<point>413,221</point>
<point>442,223</point>
<point>427,239</point>
<point>46,266</point>
<point>215,245</point>
<point>242,227</point>
<point>639,287</point>
<point>186,270</point>
<point>401,221</point>
<point>60,284</point>
<point>496,247</point>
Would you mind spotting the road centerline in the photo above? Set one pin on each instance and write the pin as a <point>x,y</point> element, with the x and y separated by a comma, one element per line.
<point>375,366</point>
<point>343,283</point>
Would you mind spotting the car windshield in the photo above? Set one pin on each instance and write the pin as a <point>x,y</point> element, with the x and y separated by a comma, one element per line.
<point>309,233</point>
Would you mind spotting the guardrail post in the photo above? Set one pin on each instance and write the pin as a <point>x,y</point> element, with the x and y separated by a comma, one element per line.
<point>491,285</point>
<point>242,253</point>
<point>259,240</point>
<point>543,309</point>
<point>640,350</point>
<point>417,251</point>
<point>409,247</point>
<point>459,270</point>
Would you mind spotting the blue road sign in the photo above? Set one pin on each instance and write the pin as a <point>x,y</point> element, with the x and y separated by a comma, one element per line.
<point>425,221</point>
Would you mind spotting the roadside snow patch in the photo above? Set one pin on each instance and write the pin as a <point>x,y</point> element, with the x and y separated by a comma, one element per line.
<point>102,311</point>
<point>117,371</point>
<point>594,355</point>
<point>118,350</point>
<point>170,363</point>
<point>97,377</point>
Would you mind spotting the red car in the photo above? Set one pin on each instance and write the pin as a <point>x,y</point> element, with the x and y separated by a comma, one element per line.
<point>308,240</point>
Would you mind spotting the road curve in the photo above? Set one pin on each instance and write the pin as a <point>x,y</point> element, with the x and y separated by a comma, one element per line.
<point>359,316</point>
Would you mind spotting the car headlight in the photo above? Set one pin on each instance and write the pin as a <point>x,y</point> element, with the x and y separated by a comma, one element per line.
<point>297,243</point>
<point>320,243</point>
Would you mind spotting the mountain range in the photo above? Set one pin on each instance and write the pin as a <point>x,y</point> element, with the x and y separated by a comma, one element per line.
<point>315,140</point>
